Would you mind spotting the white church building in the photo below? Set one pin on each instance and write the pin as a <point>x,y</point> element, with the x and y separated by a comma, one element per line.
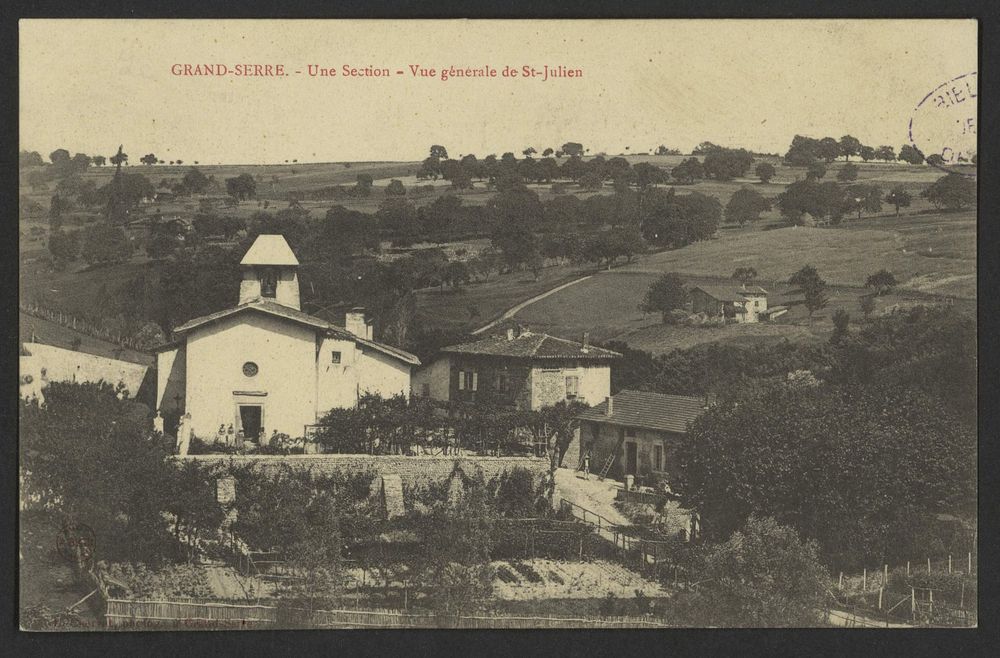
<point>264,365</point>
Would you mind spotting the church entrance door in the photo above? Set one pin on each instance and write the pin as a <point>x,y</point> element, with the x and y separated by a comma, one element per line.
<point>251,417</point>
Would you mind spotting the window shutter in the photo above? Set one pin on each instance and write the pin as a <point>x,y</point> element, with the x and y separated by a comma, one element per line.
<point>461,380</point>
<point>475,380</point>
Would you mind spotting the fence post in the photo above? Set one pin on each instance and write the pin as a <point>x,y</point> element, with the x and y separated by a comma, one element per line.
<point>907,568</point>
<point>885,575</point>
<point>930,601</point>
<point>864,580</point>
<point>880,589</point>
<point>913,603</point>
<point>841,581</point>
<point>970,562</point>
<point>928,565</point>
<point>961,601</point>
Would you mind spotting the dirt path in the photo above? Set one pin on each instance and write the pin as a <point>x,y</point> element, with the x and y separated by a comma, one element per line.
<point>594,495</point>
<point>513,310</point>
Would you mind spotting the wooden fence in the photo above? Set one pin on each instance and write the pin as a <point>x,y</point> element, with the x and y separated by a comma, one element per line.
<point>220,615</point>
<point>80,325</point>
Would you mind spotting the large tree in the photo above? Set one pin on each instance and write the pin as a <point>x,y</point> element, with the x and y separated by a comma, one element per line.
<point>812,287</point>
<point>670,219</point>
<point>765,172</point>
<point>849,145</point>
<point>64,247</point>
<point>90,452</point>
<point>952,192</point>
<point>862,198</point>
<point>848,173</point>
<point>899,198</point>
<point>688,171</point>
<point>665,295</point>
<point>726,164</point>
<point>241,187</point>
<point>104,244</point>
<point>882,281</point>
<point>572,149</point>
<point>859,468</point>
<point>808,196</point>
<point>746,205</point>
<point>910,154</point>
<point>763,575</point>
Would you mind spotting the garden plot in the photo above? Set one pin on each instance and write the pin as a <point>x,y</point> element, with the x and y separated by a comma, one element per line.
<point>525,580</point>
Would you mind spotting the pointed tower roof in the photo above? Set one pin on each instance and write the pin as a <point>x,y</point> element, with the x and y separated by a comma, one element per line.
<point>269,250</point>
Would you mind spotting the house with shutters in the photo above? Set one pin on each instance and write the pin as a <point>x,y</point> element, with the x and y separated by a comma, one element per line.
<point>519,368</point>
<point>634,433</point>
<point>264,366</point>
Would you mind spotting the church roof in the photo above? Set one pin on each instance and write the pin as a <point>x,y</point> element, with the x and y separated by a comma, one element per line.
<point>279,310</point>
<point>269,249</point>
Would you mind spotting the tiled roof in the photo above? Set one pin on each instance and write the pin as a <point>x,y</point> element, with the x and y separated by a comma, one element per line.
<point>263,305</point>
<point>286,312</point>
<point>655,411</point>
<point>269,249</point>
<point>730,293</point>
<point>531,346</point>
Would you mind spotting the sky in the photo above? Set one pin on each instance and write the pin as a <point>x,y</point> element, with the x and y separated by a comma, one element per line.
<point>89,85</point>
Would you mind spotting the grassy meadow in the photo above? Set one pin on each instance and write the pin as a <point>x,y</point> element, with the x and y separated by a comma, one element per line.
<point>932,254</point>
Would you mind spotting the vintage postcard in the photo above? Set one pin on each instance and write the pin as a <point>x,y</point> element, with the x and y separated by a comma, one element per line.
<point>489,324</point>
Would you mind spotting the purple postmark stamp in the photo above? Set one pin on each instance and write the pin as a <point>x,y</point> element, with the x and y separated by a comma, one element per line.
<point>944,122</point>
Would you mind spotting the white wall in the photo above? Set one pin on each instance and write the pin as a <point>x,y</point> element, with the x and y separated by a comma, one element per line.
<point>62,365</point>
<point>285,354</point>
<point>336,385</point>
<point>382,374</point>
<point>437,375</point>
<point>595,384</point>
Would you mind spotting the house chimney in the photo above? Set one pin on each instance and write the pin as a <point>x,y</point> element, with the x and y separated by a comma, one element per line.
<point>611,405</point>
<point>586,339</point>
<point>355,322</point>
<point>510,333</point>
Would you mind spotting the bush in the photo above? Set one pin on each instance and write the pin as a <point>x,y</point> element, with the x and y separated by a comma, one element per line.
<point>637,513</point>
<point>165,582</point>
<point>528,572</point>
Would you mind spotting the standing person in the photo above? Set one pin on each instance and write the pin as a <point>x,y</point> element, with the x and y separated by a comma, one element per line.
<point>586,465</point>
<point>230,435</point>
<point>239,439</point>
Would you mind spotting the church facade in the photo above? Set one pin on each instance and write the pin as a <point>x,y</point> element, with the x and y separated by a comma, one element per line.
<point>264,366</point>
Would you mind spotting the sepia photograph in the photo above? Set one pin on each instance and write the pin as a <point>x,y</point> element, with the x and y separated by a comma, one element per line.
<point>497,324</point>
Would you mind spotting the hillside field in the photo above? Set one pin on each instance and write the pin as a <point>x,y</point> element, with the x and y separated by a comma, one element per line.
<point>931,253</point>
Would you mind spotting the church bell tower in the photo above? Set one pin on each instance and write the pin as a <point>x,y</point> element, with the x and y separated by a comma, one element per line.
<point>270,272</point>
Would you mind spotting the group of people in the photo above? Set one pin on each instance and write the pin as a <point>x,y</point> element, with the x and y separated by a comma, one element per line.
<point>232,437</point>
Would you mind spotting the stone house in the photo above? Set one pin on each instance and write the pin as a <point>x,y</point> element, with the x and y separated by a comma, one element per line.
<point>520,368</point>
<point>733,303</point>
<point>642,430</point>
<point>264,365</point>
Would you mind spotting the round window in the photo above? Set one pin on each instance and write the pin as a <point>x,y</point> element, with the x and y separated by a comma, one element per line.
<point>250,369</point>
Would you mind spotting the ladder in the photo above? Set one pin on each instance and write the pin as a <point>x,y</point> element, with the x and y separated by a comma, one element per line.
<point>611,457</point>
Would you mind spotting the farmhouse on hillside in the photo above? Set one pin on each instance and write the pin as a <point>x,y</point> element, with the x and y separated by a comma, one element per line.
<point>634,433</point>
<point>264,366</point>
<point>732,303</point>
<point>522,369</point>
